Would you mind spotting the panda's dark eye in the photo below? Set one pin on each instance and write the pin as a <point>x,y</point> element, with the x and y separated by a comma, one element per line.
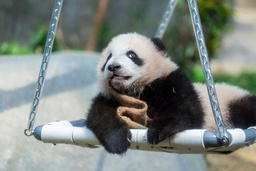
<point>131,54</point>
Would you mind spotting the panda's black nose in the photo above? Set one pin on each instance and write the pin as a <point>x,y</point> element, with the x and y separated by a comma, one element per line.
<point>114,67</point>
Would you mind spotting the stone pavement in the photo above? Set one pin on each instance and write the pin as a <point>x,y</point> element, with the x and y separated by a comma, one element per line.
<point>70,85</point>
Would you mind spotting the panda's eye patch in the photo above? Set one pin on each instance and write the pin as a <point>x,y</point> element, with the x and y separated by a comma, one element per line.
<point>103,67</point>
<point>131,54</point>
<point>109,56</point>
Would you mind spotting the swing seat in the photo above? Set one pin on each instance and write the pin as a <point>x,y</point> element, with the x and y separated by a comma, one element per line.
<point>194,141</point>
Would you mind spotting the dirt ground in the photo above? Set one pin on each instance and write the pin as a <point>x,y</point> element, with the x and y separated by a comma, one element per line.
<point>243,159</point>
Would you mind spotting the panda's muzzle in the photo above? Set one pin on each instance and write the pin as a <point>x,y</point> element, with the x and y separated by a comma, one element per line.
<point>115,69</point>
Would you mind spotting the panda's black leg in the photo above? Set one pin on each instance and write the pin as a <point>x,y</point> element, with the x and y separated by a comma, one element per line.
<point>114,135</point>
<point>242,112</point>
<point>112,132</point>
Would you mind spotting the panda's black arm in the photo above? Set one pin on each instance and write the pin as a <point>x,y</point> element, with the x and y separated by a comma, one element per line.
<point>108,127</point>
<point>176,107</point>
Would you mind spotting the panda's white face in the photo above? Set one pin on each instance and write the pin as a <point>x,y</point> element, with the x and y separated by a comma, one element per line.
<point>130,62</point>
<point>122,69</point>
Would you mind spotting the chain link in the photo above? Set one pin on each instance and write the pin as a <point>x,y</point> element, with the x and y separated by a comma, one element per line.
<point>166,18</point>
<point>44,65</point>
<point>207,70</point>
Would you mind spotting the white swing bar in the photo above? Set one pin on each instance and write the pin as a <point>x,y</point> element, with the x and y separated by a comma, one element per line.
<point>192,141</point>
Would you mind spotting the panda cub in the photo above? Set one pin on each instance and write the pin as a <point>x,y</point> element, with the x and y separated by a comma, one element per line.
<point>139,67</point>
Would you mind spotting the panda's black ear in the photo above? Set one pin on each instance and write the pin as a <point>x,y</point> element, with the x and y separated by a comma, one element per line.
<point>159,45</point>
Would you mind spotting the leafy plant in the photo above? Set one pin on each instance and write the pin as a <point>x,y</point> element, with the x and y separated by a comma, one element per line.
<point>14,48</point>
<point>36,44</point>
<point>105,36</point>
<point>216,17</point>
<point>245,80</point>
<point>38,39</point>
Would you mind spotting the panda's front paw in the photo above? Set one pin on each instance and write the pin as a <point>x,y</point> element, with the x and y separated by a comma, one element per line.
<point>118,141</point>
<point>157,134</point>
<point>154,136</point>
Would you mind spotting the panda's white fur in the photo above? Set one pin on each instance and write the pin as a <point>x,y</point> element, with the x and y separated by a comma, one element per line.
<point>135,65</point>
<point>225,93</point>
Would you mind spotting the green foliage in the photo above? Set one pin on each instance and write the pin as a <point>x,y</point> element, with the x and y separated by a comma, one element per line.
<point>35,45</point>
<point>195,73</point>
<point>14,48</point>
<point>216,17</point>
<point>245,80</point>
<point>38,39</point>
<point>105,35</point>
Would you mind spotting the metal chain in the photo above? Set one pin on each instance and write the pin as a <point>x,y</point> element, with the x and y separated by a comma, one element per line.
<point>207,70</point>
<point>44,65</point>
<point>166,18</point>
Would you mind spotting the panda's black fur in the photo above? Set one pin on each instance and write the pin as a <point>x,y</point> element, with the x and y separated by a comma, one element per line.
<point>174,103</point>
<point>243,112</point>
<point>169,102</point>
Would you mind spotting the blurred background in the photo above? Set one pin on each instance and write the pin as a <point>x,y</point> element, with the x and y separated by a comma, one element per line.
<point>88,25</point>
